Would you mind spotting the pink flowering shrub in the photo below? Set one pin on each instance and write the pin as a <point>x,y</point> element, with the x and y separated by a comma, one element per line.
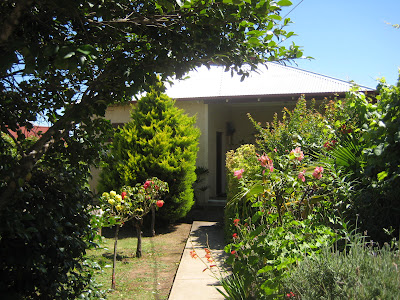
<point>284,202</point>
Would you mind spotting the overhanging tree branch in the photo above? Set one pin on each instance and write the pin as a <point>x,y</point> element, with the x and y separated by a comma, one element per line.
<point>13,20</point>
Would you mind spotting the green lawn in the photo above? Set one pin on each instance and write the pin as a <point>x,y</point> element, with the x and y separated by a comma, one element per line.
<point>148,277</point>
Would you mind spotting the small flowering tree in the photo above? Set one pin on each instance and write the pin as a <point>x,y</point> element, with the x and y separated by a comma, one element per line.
<point>133,203</point>
<point>155,188</point>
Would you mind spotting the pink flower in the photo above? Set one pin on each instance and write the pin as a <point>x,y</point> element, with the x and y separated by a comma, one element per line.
<point>297,154</point>
<point>301,175</point>
<point>238,173</point>
<point>318,172</point>
<point>266,162</point>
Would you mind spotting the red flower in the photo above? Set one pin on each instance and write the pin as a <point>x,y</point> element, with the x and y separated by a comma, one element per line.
<point>236,222</point>
<point>147,184</point>
<point>291,294</point>
<point>160,203</point>
<point>233,252</point>
<point>123,194</point>
<point>235,236</point>
<point>327,146</point>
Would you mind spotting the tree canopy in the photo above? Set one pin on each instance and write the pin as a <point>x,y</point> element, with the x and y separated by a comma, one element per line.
<point>65,62</point>
<point>68,60</point>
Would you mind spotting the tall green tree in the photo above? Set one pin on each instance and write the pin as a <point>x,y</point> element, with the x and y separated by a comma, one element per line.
<point>160,141</point>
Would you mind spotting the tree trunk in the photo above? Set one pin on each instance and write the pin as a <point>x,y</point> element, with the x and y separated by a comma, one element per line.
<point>153,220</point>
<point>13,19</point>
<point>138,224</point>
<point>115,257</point>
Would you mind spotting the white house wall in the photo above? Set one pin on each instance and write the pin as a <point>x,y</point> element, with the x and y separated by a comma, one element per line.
<point>200,111</point>
<point>210,119</point>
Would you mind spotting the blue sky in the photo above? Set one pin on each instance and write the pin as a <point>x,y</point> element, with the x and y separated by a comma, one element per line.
<point>348,39</point>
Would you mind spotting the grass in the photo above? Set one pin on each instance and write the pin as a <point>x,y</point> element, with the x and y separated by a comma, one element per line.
<point>148,277</point>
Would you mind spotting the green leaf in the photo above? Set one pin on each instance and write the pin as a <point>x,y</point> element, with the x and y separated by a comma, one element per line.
<point>285,3</point>
<point>86,49</point>
<point>265,269</point>
<point>258,230</point>
<point>382,175</point>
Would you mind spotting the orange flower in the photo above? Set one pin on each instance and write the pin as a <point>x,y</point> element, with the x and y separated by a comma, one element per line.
<point>193,254</point>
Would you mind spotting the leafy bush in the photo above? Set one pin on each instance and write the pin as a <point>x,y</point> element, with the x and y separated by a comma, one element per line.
<point>244,157</point>
<point>368,151</point>
<point>318,172</point>
<point>44,238</point>
<point>303,127</point>
<point>44,235</point>
<point>291,210</point>
<point>362,271</point>
<point>159,141</point>
<point>289,201</point>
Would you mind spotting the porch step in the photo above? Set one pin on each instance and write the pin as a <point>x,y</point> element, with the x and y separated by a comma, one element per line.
<point>216,202</point>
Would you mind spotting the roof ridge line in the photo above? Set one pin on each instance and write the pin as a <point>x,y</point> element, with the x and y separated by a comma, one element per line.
<point>320,75</point>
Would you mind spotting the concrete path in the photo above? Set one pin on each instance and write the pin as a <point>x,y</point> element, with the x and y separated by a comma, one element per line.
<point>190,280</point>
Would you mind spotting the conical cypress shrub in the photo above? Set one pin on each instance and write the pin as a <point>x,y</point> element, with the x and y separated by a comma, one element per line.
<point>161,141</point>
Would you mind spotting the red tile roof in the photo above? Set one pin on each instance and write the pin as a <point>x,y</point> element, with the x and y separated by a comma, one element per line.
<point>36,131</point>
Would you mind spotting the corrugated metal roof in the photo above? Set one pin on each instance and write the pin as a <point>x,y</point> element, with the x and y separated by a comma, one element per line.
<point>275,79</point>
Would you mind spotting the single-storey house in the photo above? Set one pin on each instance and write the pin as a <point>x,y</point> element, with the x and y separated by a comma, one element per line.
<point>221,103</point>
